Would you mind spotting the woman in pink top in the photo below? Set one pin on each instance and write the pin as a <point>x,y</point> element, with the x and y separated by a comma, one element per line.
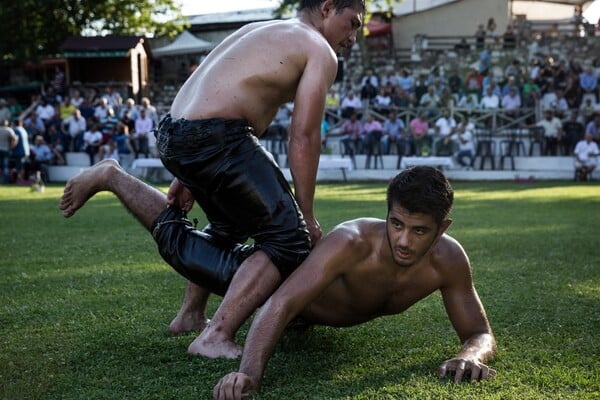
<point>420,142</point>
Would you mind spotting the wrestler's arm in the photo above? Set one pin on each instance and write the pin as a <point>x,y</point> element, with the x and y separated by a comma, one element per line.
<point>305,137</point>
<point>328,260</point>
<point>469,320</point>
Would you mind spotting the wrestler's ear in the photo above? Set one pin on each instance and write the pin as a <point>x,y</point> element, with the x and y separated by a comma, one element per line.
<point>327,7</point>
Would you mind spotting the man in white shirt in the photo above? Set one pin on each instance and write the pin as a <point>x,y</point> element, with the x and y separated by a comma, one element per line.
<point>552,132</point>
<point>143,127</point>
<point>76,125</point>
<point>586,157</point>
<point>444,128</point>
<point>92,140</point>
<point>466,145</point>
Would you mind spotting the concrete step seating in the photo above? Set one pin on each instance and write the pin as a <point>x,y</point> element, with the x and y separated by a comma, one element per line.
<point>335,168</point>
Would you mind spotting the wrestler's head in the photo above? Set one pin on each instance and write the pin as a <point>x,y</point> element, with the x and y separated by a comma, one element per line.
<point>419,200</point>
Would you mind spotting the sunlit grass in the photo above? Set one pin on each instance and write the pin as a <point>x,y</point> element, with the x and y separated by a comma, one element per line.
<point>85,304</point>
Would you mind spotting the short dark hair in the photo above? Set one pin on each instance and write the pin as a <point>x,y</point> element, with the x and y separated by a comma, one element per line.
<point>422,190</point>
<point>338,4</point>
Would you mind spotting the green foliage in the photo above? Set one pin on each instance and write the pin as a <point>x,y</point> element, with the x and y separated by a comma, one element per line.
<point>33,29</point>
<point>85,303</point>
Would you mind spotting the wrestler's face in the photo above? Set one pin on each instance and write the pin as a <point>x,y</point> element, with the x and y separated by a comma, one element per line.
<point>411,235</point>
<point>341,26</point>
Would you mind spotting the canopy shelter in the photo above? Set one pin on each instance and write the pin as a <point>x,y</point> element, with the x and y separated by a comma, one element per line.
<point>185,43</point>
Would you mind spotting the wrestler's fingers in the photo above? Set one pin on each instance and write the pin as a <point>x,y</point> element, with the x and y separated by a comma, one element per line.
<point>476,371</point>
<point>442,370</point>
<point>459,372</point>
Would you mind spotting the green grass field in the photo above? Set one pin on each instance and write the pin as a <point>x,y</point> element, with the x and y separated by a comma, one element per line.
<point>85,304</point>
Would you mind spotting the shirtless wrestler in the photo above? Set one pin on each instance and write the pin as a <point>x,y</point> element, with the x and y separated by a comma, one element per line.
<point>208,141</point>
<point>366,268</point>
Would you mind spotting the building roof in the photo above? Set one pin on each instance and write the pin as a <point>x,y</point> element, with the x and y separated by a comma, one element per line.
<point>185,43</point>
<point>100,43</point>
<point>259,14</point>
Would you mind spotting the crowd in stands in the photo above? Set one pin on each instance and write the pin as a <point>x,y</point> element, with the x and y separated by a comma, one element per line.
<point>528,87</point>
<point>60,120</point>
<point>402,109</point>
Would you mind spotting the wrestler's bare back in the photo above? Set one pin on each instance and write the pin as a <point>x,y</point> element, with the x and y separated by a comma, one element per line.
<point>372,285</point>
<point>251,73</point>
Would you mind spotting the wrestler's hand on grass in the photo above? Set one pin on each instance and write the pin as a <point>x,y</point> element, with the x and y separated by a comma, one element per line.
<point>314,229</point>
<point>234,386</point>
<point>461,367</point>
<point>180,196</point>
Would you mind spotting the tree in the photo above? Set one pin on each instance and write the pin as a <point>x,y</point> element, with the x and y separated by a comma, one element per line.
<point>33,29</point>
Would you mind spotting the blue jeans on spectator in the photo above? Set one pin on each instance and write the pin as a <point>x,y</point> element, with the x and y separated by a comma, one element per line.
<point>4,158</point>
<point>462,154</point>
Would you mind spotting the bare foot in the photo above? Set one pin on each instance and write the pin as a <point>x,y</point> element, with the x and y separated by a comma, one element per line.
<point>209,347</point>
<point>185,322</point>
<point>86,184</point>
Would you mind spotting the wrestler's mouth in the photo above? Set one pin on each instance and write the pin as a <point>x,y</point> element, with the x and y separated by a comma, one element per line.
<point>403,254</point>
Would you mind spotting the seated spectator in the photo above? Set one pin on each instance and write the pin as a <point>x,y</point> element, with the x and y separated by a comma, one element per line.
<point>489,101</point>
<point>430,102</point>
<point>466,143</point>
<point>332,101</point>
<point>122,142</point>
<point>351,104</point>
<point>480,37</point>
<point>34,126</point>
<point>552,132</point>
<point>150,110</point>
<point>382,102</point>
<point>587,110</point>
<point>455,83</point>
<point>406,81</point>
<point>401,98</point>
<point>372,132</point>
<point>586,157</point>
<point>573,132</point>
<point>41,157</point>
<point>444,128</point>
<point>75,126</point>
<point>76,99</point>
<point>44,110</point>
<point>66,108</point>
<point>143,129</point>
<point>353,140</point>
<point>129,110</point>
<point>420,141</point>
<point>462,48</point>
<point>473,83</point>
<point>509,39</point>
<point>102,109</point>
<point>593,127</point>
<point>8,141</point>
<point>588,81</point>
<point>56,140</point>
<point>560,105</point>
<point>92,140</point>
<point>511,103</point>
<point>394,132</point>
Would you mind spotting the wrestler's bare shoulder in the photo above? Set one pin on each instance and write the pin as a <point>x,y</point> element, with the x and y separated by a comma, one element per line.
<point>448,256</point>
<point>358,235</point>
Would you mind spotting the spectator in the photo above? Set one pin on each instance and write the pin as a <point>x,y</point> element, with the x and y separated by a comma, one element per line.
<point>372,132</point>
<point>560,104</point>
<point>150,110</point>
<point>66,108</point>
<point>143,127</point>
<point>394,132</point>
<point>444,128</point>
<point>573,132</point>
<point>474,83</point>
<point>455,83</point>
<point>382,102</point>
<point>552,132</point>
<point>351,104</point>
<point>15,108</point>
<point>75,126</point>
<point>480,37</point>
<point>420,141</point>
<point>593,127</point>
<point>20,153</point>
<point>76,99</point>
<point>56,140</point>
<point>485,60</point>
<point>5,113</point>
<point>122,142</point>
<point>102,109</point>
<point>586,157</point>
<point>8,141</point>
<point>406,80</point>
<point>369,77</point>
<point>511,103</point>
<point>113,97</point>
<point>92,141</point>
<point>431,102</point>
<point>353,140</point>
<point>490,100</point>
<point>44,110</point>
<point>491,29</point>
<point>466,144</point>
<point>34,126</point>
<point>129,111</point>
<point>402,99</point>
<point>42,157</point>
<point>332,101</point>
<point>509,38</point>
<point>588,81</point>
